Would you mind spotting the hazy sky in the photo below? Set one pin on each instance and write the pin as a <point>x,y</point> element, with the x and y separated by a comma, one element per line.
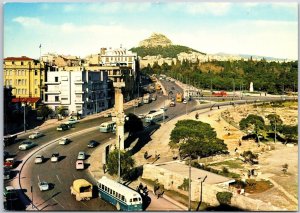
<point>266,29</point>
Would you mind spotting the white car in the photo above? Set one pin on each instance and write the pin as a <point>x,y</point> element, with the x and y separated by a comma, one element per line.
<point>184,101</point>
<point>26,145</point>
<point>81,156</point>
<point>44,186</point>
<point>72,121</point>
<point>35,135</point>
<point>63,141</point>
<point>141,116</point>
<point>79,164</point>
<point>39,159</point>
<point>55,157</point>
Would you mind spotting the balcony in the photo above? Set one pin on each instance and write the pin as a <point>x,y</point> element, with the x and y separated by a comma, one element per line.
<point>52,82</point>
<point>78,82</point>
<point>52,92</point>
<point>79,102</point>
<point>52,102</point>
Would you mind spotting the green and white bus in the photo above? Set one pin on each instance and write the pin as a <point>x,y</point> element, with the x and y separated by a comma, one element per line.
<point>122,197</point>
<point>154,117</point>
<point>108,126</point>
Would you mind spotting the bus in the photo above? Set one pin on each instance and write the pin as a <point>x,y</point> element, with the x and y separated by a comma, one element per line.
<point>108,126</point>
<point>154,117</point>
<point>179,97</point>
<point>122,197</point>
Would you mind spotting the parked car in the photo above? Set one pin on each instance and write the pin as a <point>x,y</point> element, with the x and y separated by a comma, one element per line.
<point>63,127</point>
<point>81,156</point>
<point>26,145</point>
<point>93,144</point>
<point>71,121</point>
<point>9,163</point>
<point>184,101</point>
<point>39,159</point>
<point>7,174</point>
<point>10,193</point>
<point>79,164</point>
<point>35,135</point>
<point>63,141</point>
<point>6,155</point>
<point>43,185</point>
<point>55,157</point>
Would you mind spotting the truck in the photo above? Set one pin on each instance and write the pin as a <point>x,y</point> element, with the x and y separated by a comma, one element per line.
<point>220,94</point>
<point>179,97</point>
<point>82,189</point>
<point>146,98</point>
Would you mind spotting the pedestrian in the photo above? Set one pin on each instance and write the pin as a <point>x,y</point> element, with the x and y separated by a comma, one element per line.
<point>104,168</point>
<point>240,143</point>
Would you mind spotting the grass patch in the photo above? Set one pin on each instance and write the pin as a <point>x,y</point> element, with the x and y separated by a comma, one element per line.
<point>252,186</point>
<point>232,164</point>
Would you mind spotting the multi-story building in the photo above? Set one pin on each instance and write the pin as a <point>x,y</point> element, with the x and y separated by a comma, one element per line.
<point>61,60</point>
<point>26,76</point>
<point>77,90</point>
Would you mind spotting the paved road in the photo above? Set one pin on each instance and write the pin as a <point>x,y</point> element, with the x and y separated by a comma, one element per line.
<point>62,174</point>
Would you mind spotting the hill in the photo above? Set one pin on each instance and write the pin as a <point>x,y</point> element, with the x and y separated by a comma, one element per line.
<point>159,44</point>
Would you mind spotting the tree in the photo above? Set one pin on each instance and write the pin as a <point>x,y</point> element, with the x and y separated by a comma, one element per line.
<point>253,123</point>
<point>250,157</point>
<point>60,110</point>
<point>224,197</point>
<point>44,111</point>
<point>290,132</point>
<point>127,162</point>
<point>133,124</point>
<point>274,120</point>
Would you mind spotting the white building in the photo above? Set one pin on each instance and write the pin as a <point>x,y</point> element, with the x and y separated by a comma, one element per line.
<point>77,90</point>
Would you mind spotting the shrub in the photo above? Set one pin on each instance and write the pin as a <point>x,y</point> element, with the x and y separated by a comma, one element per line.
<point>224,197</point>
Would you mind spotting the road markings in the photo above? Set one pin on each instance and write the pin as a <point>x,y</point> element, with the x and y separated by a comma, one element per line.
<point>58,179</point>
<point>83,203</point>
<point>58,203</point>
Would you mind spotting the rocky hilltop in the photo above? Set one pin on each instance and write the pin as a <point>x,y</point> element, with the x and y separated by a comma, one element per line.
<point>155,40</point>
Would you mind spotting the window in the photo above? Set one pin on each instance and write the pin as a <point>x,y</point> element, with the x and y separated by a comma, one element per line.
<point>130,200</point>
<point>56,79</point>
<point>10,82</point>
<point>65,99</point>
<point>122,198</point>
<point>35,81</point>
<point>135,199</point>
<point>22,63</point>
<point>35,91</point>
<point>105,188</point>
<point>36,72</point>
<point>56,98</point>
<point>64,78</point>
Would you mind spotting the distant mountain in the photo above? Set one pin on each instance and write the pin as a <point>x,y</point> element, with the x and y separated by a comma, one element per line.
<point>256,57</point>
<point>159,44</point>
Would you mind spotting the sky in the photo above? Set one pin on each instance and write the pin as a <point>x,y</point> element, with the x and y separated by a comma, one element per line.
<point>81,29</point>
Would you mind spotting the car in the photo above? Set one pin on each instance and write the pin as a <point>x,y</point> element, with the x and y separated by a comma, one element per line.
<point>63,127</point>
<point>184,101</point>
<point>107,115</point>
<point>141,116</point>
<point>9,163</point>
<point>81,156</point>
<point>163,108</point>
<point>6,155</point>
<point>172,104</point>
<point>10,193</point>
<point>79,164</point>
<point>35,135</point>
<point>7,174</point>
<point>55,157</point>
<point>26,145</point>
<point>71,121</point>
<point>39,159</point>
<point>92,144</point>
<point>43,185</point>
<point>152,111</point>
<point>63,141</point>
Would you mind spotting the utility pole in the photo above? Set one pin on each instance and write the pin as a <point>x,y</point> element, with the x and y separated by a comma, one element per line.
<point>24,105</point>
<point>190,183</point>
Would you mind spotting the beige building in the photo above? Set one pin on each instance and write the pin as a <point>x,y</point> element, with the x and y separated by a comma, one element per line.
<point>26,76</point>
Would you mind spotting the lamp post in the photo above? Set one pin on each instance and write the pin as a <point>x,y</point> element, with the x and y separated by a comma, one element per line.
<point>200,201</point>
<point>24,105</point>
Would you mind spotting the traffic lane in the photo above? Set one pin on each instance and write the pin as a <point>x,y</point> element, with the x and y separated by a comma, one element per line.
<point>63,179</point>
<point>161,204</point>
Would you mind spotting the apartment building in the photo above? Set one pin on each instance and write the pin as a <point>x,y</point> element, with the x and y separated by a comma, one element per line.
<point>77,90</point>
<point>61,60</point>
<point>26,76</point>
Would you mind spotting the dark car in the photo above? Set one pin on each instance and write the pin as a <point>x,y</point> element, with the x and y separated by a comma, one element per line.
<point>7,174</point>
<point>92,144</point>
<point>63,127</point>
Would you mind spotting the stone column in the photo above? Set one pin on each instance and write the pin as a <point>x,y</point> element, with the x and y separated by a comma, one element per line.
<point>120,120</point>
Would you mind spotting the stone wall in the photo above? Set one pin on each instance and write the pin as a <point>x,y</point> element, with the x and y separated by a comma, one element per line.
<point>172,180</point>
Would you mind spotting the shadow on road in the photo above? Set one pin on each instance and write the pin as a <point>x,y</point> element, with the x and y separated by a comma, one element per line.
<point>224,207</point>
<point>143,138</point>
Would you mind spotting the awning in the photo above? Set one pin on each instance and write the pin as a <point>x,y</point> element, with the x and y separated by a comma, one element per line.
<point>25,100</point>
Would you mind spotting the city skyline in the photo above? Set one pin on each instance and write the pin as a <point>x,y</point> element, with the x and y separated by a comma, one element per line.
<point>265,29</point>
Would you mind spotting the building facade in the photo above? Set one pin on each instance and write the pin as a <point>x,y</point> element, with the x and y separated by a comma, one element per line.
<point>77,90</point>
<point>26,76</point>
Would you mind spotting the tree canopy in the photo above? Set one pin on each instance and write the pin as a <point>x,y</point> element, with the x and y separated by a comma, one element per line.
<point>127,162</point>
<point>195,138</point>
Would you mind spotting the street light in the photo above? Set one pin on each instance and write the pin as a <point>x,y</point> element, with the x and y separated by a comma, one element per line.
<point>200,201</point>
<point>24,105</point>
